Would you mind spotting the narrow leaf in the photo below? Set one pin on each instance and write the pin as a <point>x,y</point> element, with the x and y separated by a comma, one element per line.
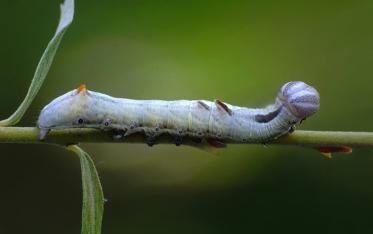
<point>67,14</point>
<point>93,198</point>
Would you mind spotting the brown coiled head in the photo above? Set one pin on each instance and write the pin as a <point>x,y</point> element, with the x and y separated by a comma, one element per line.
<point>299,98</point>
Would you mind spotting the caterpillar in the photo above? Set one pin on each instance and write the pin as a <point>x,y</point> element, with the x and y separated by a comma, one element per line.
<point>214,121</point>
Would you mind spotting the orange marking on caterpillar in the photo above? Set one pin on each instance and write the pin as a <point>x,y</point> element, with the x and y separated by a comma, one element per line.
<point>82,88</point>
<point>223,106</point>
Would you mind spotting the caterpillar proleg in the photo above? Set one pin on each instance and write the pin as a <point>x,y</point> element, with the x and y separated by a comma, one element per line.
<point>213,121</point>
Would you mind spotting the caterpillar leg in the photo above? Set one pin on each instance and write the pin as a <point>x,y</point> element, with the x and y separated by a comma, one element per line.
<point>151,135</point>
<point>291,129</point>
<point>150,141</point>
<point>178,140</point>
<point>197,140</point>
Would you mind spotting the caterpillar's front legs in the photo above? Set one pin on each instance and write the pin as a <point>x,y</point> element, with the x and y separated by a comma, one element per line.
<point>291,129</point>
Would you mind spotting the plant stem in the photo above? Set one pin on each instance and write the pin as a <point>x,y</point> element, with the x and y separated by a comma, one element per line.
<point>69,136</point>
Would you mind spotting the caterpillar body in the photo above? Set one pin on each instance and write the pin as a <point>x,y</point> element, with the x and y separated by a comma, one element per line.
<point>214,121</point>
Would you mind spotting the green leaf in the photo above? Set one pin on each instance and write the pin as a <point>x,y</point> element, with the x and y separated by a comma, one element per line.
<point>67,14</point>
<point>93,198</point>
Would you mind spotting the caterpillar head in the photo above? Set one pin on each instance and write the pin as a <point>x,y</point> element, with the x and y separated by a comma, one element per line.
<point>299,98</point>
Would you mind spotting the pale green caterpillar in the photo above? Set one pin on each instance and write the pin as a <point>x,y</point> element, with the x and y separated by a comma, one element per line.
<point>214,121</point>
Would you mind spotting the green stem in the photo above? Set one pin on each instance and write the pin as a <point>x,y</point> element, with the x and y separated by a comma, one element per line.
<point>69,136</point>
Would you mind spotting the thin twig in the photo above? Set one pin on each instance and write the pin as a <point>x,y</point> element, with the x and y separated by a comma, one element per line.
<point>69,136</point>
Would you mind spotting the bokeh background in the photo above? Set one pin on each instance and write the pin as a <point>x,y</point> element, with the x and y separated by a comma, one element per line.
<point>238,51</point>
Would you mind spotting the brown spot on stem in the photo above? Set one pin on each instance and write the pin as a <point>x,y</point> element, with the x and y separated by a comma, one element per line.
<point>328,150</point>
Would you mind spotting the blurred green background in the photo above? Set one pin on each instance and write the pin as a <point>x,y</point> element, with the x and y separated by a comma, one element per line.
<point>238,51</point>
